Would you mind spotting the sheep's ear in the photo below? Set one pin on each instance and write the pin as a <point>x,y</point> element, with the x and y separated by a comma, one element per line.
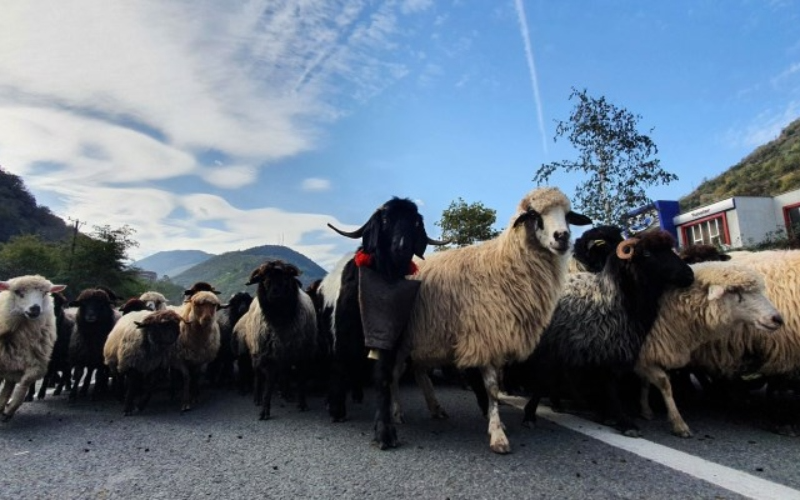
<point>138,324</point>
<point>57,288</point>
<point>255,277</point>
<point>577,219</point>
<point>223,306</point>
<point>715,292</point>
<point>4,285</point>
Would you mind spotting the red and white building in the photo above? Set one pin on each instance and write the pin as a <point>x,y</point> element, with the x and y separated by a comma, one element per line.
<point>740,221</point>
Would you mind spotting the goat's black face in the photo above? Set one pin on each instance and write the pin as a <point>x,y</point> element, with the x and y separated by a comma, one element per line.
<point>394,234</point>
<point>161,328</point>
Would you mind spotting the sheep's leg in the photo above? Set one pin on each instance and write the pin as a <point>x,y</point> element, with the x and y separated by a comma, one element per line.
<point>186,396</point>
<point>133,382</point>
<point>271,373</point>
<point>613,403</point>
<point>337,406</point>
<point>659,378</point>
<point>5,394</point>
<point>476,380</point>
<point>46,381</point>
<point>100,382</point>
<point>87,380</point>
<point>385,431</point>
<point>258,381</point>
<point>77,375</point>
<point>498,442</point>
<point>644,398</point>
<point>302,381</point>
<point>32,391</point>
<point>397,408</point>
<point>424,382</point>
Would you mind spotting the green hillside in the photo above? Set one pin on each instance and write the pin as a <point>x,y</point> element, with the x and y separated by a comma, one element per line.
<point>771,169</point>
<point>230,271</point>
<point>20,214</point>
<point>173,262</point>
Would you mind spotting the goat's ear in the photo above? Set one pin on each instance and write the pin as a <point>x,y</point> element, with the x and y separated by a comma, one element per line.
<point>577,219</point>
<point>372,232</point>
<point>529,214</point>
<point>715,292</point>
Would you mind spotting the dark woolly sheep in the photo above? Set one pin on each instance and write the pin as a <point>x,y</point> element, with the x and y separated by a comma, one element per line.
<point>279,331</point>
<point>602,320</point>
<point>58,369</point>
<point>132,305</point>
<point>389,239</point>
<point>94,320</point>
<point>594,246</point>
<point>220,370</point>
<point>200,286</point>
<point>139,349</point>
<point>703,253</point>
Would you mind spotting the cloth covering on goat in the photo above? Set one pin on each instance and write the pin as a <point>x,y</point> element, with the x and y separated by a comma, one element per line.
<point>385,307</point>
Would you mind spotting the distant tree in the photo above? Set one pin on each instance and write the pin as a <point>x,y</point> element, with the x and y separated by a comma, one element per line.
<point>28,254</point>
<point>464,224</point>
<point>618,160</point>
<point>100,259</point>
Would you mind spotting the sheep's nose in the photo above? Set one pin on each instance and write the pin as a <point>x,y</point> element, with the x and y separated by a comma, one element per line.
<point>777,319</point>
<point>34,311</point>
<point>561,236</point>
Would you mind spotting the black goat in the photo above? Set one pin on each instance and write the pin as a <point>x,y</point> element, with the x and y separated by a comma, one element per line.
<point>389,240</point>
<point>93,322</point>
<point>601,322</point>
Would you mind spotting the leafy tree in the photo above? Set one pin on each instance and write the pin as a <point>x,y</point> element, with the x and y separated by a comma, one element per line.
<point>99,259</point>
<point>464,224</point>
<point>618,160</point>
<point>28,254</point>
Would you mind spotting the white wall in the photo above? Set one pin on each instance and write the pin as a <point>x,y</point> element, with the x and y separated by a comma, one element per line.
<point>757,219</point>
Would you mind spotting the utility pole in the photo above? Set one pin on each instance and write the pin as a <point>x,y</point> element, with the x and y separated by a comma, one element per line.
<point>76,225</point>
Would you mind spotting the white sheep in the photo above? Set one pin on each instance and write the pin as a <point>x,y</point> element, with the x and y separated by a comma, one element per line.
<point>155,301</point>
<point>198,342</point>
<point>483,305</point>
<point>27,336</point>
<point>770,354</point>
<point>722,298</point>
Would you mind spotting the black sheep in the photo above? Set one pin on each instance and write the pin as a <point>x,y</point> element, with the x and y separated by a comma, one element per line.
<point>93,322</point>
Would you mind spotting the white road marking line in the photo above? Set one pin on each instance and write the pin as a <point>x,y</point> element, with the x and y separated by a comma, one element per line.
<point>728,478</point>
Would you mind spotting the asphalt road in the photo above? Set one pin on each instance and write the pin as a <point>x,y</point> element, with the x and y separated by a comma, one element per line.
<point>87,450</point>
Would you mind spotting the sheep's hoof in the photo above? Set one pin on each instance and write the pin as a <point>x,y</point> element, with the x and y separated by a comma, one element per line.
<point>648,415</point>
<point>529,423</point>
<point>500,445</point>
<point>264,416</point>
<point>338,420</point>
<point>185,408</point>
<point>683,433</point>
<point>399,418</point>
<point>385,437</point>
<point>439,414</point>
<point>5,417</point>
<point>634,433</point>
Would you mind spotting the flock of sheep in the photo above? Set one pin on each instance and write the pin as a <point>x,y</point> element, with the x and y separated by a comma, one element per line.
<point>527,311</point>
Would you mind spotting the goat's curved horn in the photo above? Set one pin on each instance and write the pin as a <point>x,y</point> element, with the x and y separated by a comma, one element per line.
<point>625,248</point>
<point>352,234</point>
<point>431,241</point>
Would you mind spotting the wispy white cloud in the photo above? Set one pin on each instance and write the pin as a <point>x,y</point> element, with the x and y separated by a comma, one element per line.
<point>526,39</point>
<point>766,126</point>
<point>100,102</point>
<point>315,184</point>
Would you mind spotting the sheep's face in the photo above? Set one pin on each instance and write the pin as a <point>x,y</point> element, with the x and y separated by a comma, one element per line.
<point>595,245</point>
<point>93,305</point>
<point>276,280</point>
<point>204,308</point>
<point>161,329</point>
<point>30,297</point>
<point>747,306</point>
<point>240,303</point>
<point>550,228</point>
<point>154,301</point>
<point>654,256</point>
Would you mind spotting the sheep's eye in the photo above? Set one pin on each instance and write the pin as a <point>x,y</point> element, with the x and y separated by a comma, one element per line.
<point>739,294</point>
<point>19,293</point>
<point>647,253</point>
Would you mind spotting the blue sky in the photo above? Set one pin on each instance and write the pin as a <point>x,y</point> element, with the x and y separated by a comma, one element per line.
<point>224,125</point>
